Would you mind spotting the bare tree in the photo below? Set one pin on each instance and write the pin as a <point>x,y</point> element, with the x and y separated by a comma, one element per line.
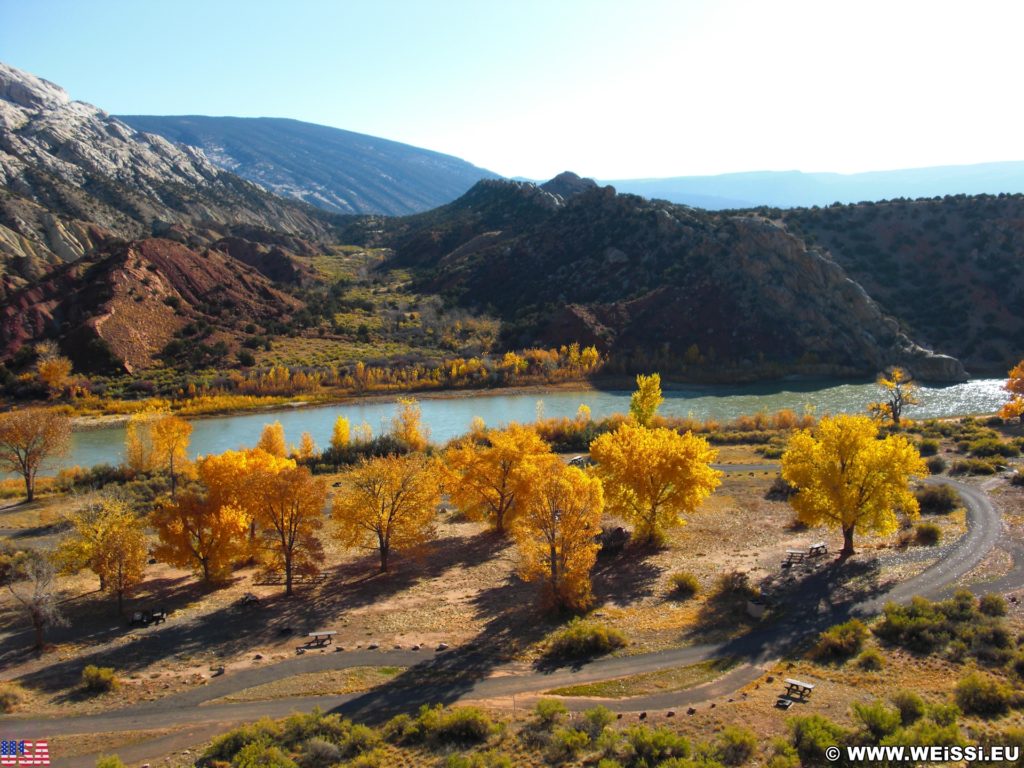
<point>32,581</point>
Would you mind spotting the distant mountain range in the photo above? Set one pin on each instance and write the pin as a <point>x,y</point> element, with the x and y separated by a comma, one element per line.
<point>336,170</point>
<point>794,189</point>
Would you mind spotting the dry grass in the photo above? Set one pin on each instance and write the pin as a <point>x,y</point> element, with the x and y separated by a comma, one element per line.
<point>336,682</point>
<point>663,681</point>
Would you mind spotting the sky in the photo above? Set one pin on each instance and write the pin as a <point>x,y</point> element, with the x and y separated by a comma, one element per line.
<point>606,88</point>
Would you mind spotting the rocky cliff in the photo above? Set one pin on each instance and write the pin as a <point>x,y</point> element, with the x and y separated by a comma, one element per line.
<point>66,166</point>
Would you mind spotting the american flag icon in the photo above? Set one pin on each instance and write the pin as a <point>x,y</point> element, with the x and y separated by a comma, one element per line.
<point>19,753</point>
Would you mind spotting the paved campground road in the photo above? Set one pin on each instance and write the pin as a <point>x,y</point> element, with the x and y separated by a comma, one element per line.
<point>467,673</point>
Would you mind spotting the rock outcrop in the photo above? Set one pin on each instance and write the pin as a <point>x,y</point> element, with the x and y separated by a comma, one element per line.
<point>64,162</point>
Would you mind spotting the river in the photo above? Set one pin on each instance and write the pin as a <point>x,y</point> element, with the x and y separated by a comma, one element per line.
<point>447,417</point>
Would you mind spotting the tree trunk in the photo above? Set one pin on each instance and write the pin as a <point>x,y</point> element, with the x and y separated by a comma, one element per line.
<point>847,543</point>
<point>120,601</point>
<point>384,558</point>
<point>287,577</point>
<point>30,490</point>
<point>38,625</point>
<point>174,484</point>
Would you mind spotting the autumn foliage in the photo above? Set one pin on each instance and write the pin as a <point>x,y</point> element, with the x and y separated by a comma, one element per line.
<point>652,477</point>
<point>388,503</point>
<point>556,532</point>
<point>849,479</point>
<point>491,481</point>
<point>28,436</point>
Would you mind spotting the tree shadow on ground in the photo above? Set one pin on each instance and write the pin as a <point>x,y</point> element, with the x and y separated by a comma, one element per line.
<point>801,605</point>
<point>512,622</point>
<point>625,577</point>
<point>232,629</point>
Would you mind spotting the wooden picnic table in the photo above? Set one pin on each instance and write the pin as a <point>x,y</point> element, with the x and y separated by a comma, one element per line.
<point>794,556</point>
<point>798,688</point>
<point>322,638</point>
<point>815,550</point>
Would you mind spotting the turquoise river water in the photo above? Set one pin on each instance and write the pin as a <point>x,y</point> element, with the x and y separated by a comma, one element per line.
<point>447,417</point>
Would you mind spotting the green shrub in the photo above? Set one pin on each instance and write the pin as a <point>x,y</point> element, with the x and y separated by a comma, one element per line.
<point>784,755</point>
<point>11,696</point>
<point>99,679</point>
<point>459,725</point>
<point>973,467</point>
<point>992,605</point>
<point>735,746</point>
<point>812,734</point>
<point>566,743</point>
<point>871,660</point>
<point>982,695</point>
<point>300,727</point>
<point>585,639</point>
<point>653,746</point>
<point>684,584</point>
<point>910,706</point>
<point>841,641</point>
<point>374,759</point>
<point>319,753</point>
<point>927,534</point>
<point>607,762</point>
<point>489,759</point>
<point>936,465</point>
<point>548,712</point>
<point>937,499</point>
<point>878,719</point>
<point>993,447</point>
<point>360,738</point>
<point>928,446</point>
<point>226,746</point>
<point>261,755</point>
<point>597,719</point>
<point>396,730</point>
<point>944,714</point>
<point>110,761</point>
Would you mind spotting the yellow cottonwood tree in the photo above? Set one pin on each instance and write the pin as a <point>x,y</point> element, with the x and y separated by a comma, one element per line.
<point>847,478</point>
<point>654,476</point>
<point>899,391</point>
<point>556,531</point>
<point>121,559</point>
<point>340,436</point>
<point>107,538</point>
<point>388,503</point>
<point>1014,409</point>
<point>290,515</point>
<point>53,372</point>
<point>307,447</point>
<point>198,533</point>
<point>272,440</point>
<point>407,426</point>
<point>138,442</point>
<point>644,403</point>
<point>490,482</point>
<point>169,436</point>
<point>240,479</point>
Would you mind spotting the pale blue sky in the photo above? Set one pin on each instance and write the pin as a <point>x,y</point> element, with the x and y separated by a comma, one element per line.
<point>610,89</point>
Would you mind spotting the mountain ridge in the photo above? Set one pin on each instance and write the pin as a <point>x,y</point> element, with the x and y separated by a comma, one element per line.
<point>335,169</point>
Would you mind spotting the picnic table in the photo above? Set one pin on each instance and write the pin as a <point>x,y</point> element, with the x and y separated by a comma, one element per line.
<point>145,618</point>
<point>798,689</point>
<point>816,550</point>
<point>794,556</point>
<point>321,638</point>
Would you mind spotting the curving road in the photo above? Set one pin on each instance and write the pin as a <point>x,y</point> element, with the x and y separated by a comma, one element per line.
<point>465,674</point>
